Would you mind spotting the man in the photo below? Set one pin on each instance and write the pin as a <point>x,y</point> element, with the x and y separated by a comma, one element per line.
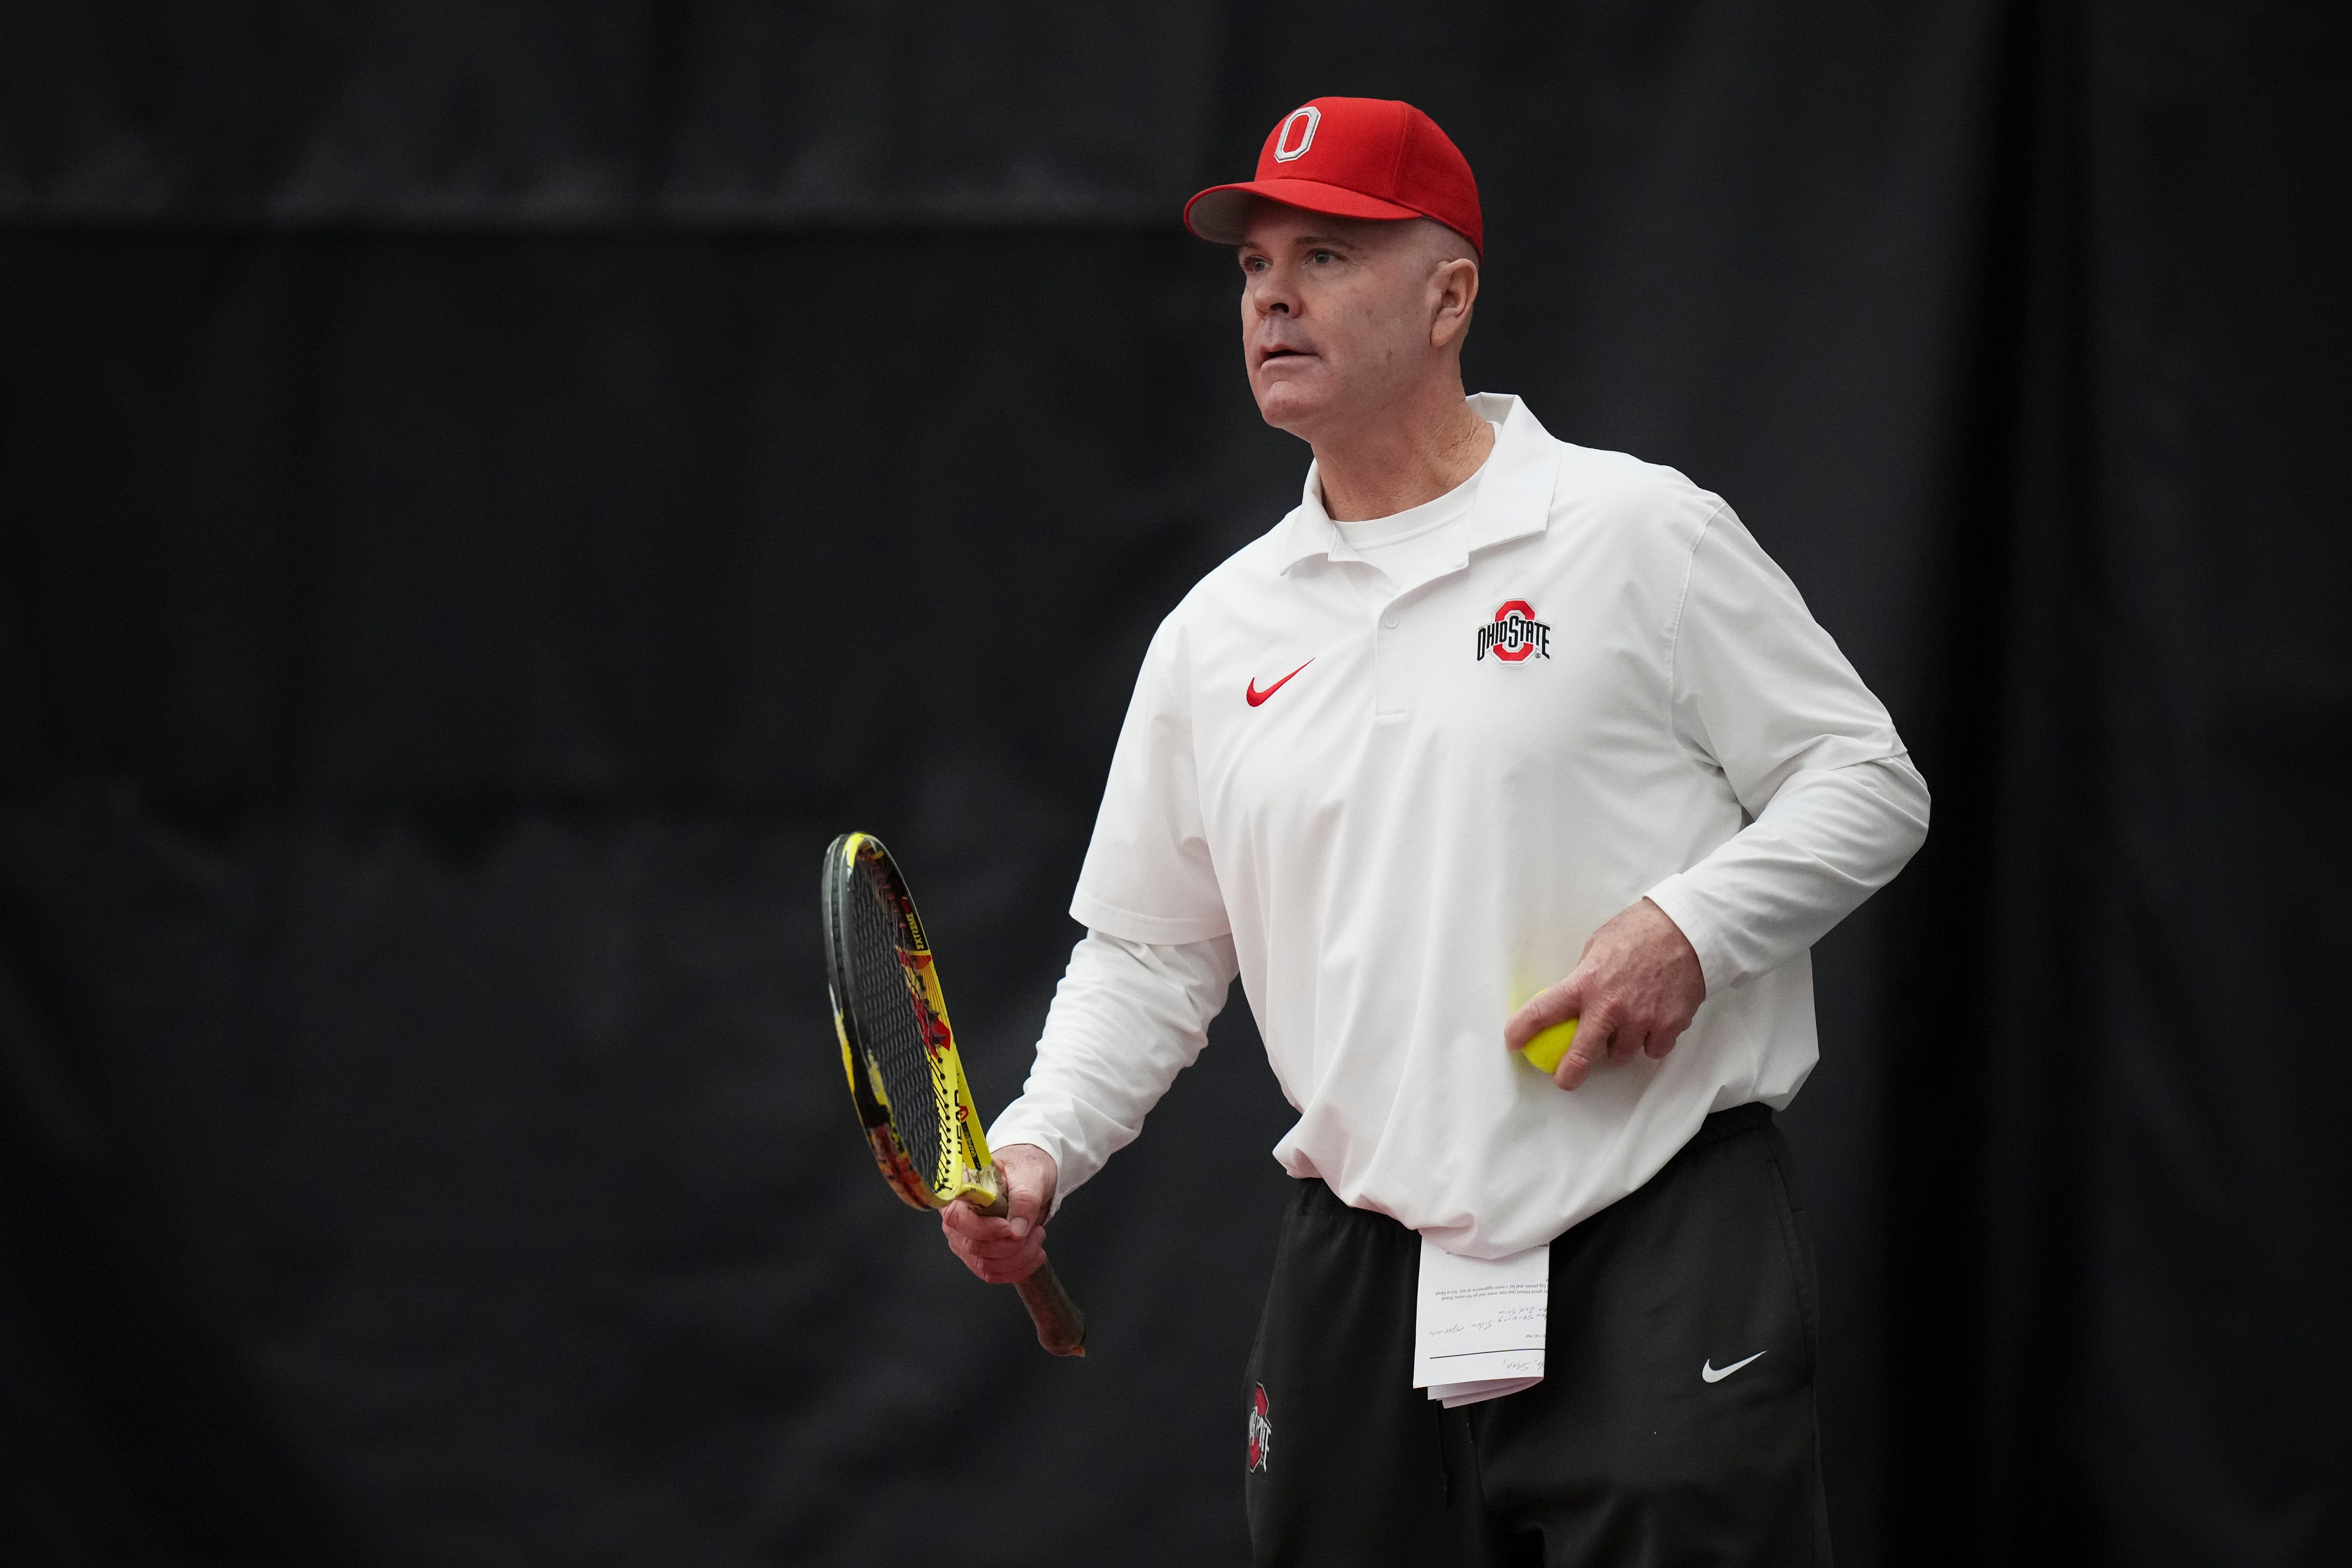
<point>1489,734</point>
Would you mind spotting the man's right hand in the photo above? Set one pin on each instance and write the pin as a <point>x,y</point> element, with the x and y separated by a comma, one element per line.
<point>1005,1251</point>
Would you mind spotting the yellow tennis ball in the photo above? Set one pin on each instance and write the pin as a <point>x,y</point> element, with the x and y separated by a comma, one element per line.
<point>1544,1051</point>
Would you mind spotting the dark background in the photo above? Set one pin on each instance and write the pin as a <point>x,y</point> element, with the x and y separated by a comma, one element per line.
<point>487,489</point>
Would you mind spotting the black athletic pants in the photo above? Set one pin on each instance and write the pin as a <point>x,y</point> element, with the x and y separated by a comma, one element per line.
<point>1640,1449</point>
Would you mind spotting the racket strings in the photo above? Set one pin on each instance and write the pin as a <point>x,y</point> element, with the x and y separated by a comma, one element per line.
<point>891,1023</point>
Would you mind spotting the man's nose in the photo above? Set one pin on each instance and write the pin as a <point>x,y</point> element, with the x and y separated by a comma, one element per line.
<point>1270,299</point>
<point>1269,295</point>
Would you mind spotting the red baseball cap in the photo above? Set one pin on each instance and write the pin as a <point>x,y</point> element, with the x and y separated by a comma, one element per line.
<point>1351,157</point>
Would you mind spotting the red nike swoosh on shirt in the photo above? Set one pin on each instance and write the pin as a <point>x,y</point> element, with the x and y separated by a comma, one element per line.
<point>1256,697</point>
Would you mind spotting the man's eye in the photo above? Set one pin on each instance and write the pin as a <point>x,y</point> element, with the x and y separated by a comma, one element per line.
<point>1321,255</point>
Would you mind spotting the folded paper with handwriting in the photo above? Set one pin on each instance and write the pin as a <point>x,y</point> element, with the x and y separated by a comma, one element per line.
<point>1479,1323</point>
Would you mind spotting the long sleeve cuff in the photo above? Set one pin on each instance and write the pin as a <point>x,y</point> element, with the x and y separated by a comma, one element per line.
<point>1126,1018</point>
<point>1828,839</point>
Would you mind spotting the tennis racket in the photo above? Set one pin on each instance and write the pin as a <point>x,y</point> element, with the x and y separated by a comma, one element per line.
<point>905,1073</point>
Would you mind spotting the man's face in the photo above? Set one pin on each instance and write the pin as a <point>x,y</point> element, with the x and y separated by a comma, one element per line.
<point>1339,315</point>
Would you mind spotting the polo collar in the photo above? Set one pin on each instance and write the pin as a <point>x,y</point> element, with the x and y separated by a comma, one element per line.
<point>1514,499</point>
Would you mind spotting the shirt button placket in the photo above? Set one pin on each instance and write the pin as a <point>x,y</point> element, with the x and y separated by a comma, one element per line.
<point>1386,701</point>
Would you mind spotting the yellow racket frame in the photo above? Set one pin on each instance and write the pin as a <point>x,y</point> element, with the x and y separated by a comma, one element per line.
<point>966,1168</point>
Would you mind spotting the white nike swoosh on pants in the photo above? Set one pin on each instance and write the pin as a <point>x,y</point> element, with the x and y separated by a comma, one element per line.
<point>1713,1374</point>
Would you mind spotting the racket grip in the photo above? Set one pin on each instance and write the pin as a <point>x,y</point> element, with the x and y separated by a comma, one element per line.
<point>1061,1327</point>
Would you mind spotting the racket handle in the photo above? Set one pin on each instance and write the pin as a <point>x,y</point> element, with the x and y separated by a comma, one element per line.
<point>1061,1327</point>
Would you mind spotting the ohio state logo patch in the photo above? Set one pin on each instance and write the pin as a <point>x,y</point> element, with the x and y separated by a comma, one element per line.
<point>1261,1430</point>
<point>1300,124</point>
<point>1515,635</point>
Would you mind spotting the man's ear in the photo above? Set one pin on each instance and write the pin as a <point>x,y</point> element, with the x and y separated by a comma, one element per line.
<point>1454,285</point>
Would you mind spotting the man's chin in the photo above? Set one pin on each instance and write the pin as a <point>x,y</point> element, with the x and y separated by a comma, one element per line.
<point>1287,406</point>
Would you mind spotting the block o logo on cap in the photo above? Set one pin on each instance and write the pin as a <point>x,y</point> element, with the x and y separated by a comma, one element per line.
<point>1284,152</point>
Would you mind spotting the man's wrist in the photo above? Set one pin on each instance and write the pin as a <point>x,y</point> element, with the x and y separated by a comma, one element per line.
<point>1673,899</point>
<point>1035,1162</point>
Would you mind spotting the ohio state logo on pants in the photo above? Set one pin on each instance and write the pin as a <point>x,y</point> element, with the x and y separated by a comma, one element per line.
<point>1515,635</point>
<point>1261,1430</point>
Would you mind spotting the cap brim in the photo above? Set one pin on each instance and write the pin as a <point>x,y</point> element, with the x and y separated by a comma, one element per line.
<point>1220,213</point>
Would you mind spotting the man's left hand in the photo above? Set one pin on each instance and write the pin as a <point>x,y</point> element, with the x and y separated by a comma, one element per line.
<point>1635,989</point>
<point>1006,1251</point>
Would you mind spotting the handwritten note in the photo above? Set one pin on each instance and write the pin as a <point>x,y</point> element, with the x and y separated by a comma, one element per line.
<point>1479,1323</point>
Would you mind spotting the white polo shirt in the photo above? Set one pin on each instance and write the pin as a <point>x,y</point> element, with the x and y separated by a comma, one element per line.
<point>1400,809</point>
